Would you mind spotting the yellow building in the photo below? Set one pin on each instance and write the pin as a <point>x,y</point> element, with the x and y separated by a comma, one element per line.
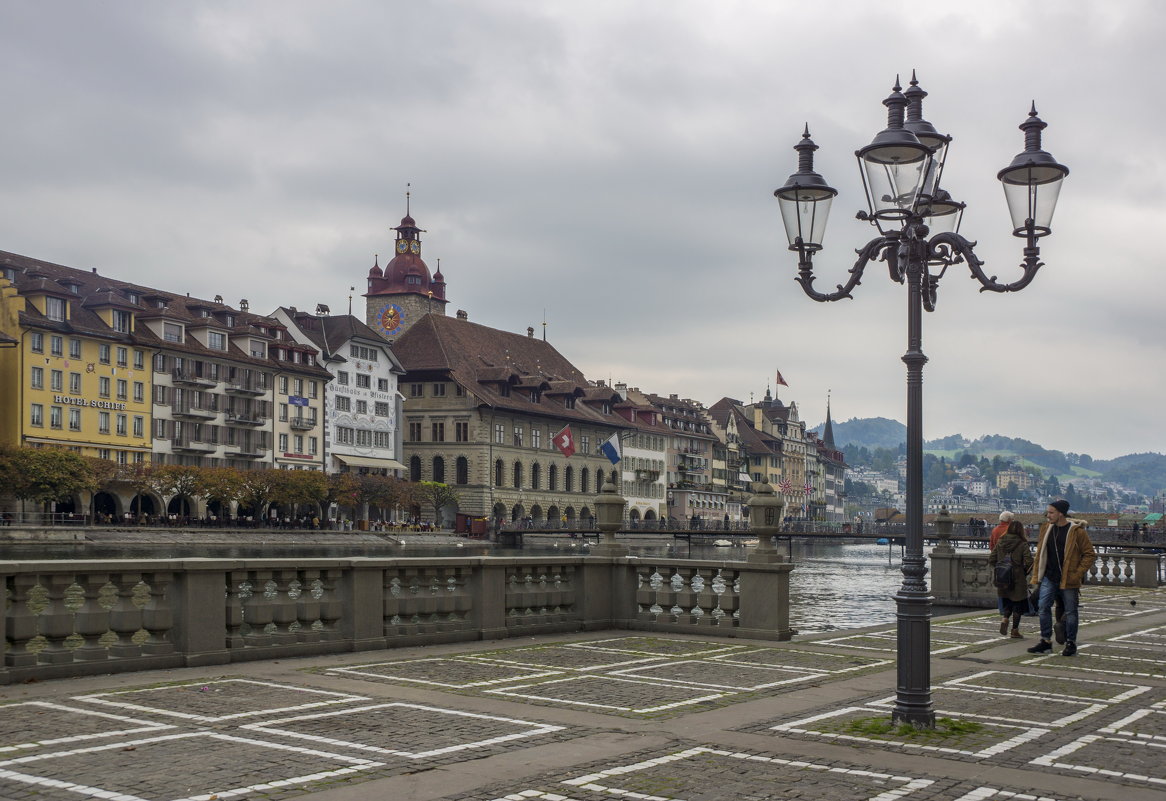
<point>75,377</point>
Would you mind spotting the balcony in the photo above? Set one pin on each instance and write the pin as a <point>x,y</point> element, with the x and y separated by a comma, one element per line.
<point>194,412</point>
<point>180,376</point>
<point>302,423</point>
<point>187,443</point>
<point>248,450</point>
<point>246,419</point>
<point>246,387</point>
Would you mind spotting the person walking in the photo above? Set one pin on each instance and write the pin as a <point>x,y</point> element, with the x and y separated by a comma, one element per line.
<point>1064,554</point>
<point>1012,548</point>
<point>1001,527</point>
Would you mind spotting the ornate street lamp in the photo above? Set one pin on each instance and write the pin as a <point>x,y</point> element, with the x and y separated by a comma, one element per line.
<point>918,224</point>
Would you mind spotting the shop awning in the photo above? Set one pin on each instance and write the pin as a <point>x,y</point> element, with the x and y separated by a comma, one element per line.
<point>1153,517</point>
<point>364,461</point>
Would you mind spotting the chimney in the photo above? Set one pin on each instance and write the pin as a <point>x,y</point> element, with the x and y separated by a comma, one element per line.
<point>244,305</point>
<point>322,310</point>
<point>461,314</point>
<point>530,332</point>
<point>218,298</point>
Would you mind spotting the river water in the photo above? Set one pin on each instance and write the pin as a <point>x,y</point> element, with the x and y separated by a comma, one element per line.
<point>833,585</point>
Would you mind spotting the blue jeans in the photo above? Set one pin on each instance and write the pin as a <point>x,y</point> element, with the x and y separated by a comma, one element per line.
<point>1049,593</point>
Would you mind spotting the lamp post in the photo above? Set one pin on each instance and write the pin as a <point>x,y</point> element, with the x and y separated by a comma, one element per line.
<point>918,224</point>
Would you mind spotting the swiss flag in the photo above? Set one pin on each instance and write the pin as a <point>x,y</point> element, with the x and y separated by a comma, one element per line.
<point>565,441</point>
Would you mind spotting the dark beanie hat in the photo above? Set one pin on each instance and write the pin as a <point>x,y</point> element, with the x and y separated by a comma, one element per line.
<point>1061,506</point>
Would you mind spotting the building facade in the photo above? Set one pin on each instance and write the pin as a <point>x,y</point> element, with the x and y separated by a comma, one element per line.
<point>362,402</point>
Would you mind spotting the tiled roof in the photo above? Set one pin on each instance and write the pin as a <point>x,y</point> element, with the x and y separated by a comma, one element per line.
<point>483,359</point>
<point>95,291</point>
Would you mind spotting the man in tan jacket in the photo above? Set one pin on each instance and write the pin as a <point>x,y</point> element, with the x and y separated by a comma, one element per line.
<point>1064,554</point>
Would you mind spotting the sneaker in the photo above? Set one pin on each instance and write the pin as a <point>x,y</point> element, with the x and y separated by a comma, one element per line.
<point>1070,648</point>
<point>1003,625</point>
<point>1042,647</point>
<point>1059,631</point>
<point>1016,635</point>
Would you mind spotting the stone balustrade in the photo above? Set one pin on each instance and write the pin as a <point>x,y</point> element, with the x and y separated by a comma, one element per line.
<point>81,617</point>
<point>963,578</point>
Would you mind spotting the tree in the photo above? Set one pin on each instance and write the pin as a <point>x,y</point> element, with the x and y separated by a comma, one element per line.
<point>140,477</point>
<point>437,495</point>
<point>256,490</point>
<point>297,488</point>
<point>44,475</point>
<point>220,485</point>
<point>177,481</point>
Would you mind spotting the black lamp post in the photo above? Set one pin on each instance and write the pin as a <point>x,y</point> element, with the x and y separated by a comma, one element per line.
<point>918,237</point>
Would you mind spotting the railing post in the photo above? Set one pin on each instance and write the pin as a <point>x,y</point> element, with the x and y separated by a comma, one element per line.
<point>489,603</point>
<point>1145,569</point>
<point>765,601</point>
<point>199,604</point>
<point>363,596</point>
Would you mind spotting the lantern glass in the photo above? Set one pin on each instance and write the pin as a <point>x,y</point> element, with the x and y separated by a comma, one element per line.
<point>1032,192</point>
<point>804,212</point>
<point>893,176</point>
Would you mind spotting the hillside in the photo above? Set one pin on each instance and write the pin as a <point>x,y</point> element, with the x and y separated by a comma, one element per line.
<point>1142,472</point>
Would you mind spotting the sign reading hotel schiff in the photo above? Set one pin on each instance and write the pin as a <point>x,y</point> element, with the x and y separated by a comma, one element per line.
<point>65,399</point>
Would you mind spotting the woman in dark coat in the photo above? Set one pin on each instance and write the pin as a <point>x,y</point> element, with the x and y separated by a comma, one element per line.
<point>1014,598</point>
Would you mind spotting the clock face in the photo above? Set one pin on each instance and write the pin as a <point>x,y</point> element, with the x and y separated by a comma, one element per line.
<point>402,246</point>
<point>415,246</point>
<point>390,318</point>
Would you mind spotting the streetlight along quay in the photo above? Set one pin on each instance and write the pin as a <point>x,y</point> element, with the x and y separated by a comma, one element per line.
<point>918,224</point>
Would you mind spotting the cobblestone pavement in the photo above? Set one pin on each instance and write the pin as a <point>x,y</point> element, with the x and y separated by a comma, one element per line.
<point>619,714</point>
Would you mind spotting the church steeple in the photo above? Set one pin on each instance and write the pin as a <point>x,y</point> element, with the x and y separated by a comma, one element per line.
<point>828,429</point>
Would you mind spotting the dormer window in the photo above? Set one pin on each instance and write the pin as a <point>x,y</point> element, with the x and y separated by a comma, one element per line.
<point>132,297</point>
<point>172,332</point>
<point>122,321</point>
<point>216,340</point>
<point>55,308</point>
<point>569,401</point>
<point>258,349</point>
<point>229,319</point>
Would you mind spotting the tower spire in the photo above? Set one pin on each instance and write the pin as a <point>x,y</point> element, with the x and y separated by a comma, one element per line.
<point>828,429</point>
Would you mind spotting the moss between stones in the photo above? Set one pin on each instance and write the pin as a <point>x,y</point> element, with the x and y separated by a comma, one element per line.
<point>884,728</point>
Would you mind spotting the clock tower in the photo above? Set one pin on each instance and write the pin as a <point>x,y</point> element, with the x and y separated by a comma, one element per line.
<point>404,291</point>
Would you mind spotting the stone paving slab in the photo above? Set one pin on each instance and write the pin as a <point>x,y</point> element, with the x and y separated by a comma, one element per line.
<point>725,719</point>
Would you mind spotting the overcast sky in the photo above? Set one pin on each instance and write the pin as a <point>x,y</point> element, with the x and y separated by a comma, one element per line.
<point>613,163</point>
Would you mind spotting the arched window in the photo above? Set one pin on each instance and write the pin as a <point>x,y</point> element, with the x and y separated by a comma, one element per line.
<point>439,469</point>
<point>462,471</point>
<point>414,468</point>
<point>569,480</point>
<point>536,475</point>
<point>518,474</point>
<point>615,479</point>
<point>553,478</point>
<point>585,480</point>
<point>498,473</point>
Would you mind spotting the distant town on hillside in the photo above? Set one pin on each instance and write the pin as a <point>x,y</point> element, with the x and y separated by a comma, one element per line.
<point>995,472</point>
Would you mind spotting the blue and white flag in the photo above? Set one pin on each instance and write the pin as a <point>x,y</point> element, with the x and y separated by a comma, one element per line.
<point>610,449</point>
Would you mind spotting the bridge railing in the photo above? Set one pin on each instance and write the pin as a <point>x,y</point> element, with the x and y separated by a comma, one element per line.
<point>964,578</point>
<point>80,617</point>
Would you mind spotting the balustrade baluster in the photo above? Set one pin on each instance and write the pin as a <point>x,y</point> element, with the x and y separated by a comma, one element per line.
<point>308,606</point>
<point>158,614</point>
<point>125,618</point>
<point>331,604</point>
<point>283,606</point>
<point>258,609</point>
<point>57,620</point>
<point>234,608</point>
<point>90,619</point>
<point>22,621</point>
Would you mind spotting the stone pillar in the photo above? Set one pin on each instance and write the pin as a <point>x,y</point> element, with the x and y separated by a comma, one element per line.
<point>765,509</point>
<point>609,506</point>
<point>764,612</point>
<point>362,592</point>
<point>199,609</point>
<point>489,587</point>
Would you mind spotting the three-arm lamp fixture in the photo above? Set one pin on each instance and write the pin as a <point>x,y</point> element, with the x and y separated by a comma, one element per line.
<point>918,224</point>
